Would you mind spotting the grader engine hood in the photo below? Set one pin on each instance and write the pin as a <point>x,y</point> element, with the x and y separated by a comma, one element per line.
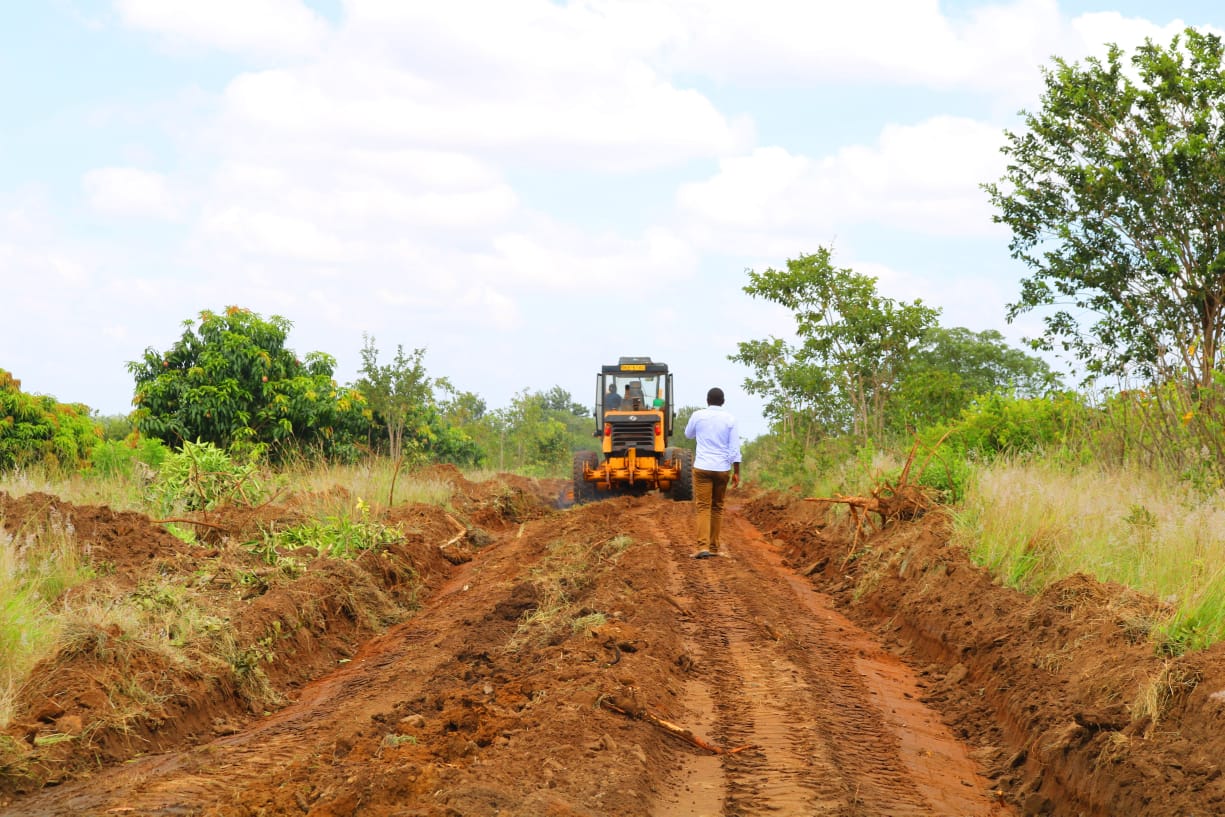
<point>640,429</point>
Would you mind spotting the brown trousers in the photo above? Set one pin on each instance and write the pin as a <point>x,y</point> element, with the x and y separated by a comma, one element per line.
<point>709,488</point>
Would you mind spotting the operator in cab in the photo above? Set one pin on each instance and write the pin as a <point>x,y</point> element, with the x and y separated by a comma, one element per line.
<point>612,400</point>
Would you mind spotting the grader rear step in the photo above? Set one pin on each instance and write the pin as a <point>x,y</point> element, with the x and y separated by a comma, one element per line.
<point>634,414</point>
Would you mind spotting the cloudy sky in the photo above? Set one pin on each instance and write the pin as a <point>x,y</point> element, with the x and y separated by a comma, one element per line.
<point>526,188</point>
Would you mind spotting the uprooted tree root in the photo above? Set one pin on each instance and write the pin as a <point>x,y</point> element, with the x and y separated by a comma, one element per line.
<point>901,500</point>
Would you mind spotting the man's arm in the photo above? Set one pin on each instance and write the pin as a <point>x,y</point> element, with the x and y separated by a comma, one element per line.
<point>733,445</point>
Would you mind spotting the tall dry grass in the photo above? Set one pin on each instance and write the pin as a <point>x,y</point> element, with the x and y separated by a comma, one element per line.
<point>1033,523</point>
<point>377,482</point>
<point>121,492</point>
<point>38,562</point>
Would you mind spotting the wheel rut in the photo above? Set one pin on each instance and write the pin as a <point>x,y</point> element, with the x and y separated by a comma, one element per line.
<point>827,714</point>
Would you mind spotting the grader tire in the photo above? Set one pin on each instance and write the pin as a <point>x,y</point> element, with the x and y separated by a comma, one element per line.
<point>584,491</point>
<point>682,487</point>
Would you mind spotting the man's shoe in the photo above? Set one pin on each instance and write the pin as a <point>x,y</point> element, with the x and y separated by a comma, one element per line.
<point>703,554</point>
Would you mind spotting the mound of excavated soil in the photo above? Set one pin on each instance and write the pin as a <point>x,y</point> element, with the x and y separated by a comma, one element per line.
<point>580,662</point>
<point>121,685</point>
<point>1070,706</point>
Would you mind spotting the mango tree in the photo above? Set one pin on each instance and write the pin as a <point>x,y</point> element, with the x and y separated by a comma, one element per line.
<point>230,379</point>
<point>37,429</point>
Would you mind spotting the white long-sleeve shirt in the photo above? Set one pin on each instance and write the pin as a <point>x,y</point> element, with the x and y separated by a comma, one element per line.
<point>714,428</point>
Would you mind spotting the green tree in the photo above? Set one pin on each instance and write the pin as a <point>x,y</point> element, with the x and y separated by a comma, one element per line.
<point>464,408</point>
<point>1113,193</point>
<point>114,426</point>
<point>679,440</point>
<point>36,429</point>
<point>802,402</point>
<point>950,368</point>
<point>230,379</point>
<point>558,399</point>
<point>404,400</point>
<point>853,340</point>
<point>400,393</point>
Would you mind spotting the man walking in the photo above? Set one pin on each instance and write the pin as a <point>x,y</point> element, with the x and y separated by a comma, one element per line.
<point>717,463</point>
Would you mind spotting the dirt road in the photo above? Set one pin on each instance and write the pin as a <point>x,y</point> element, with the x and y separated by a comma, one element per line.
<point>580,662</point>
<point>466,710</point>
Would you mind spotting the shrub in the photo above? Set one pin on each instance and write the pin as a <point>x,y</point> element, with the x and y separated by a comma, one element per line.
<point>201,476</point>
<point>119,458</point>
<point>341,536</point>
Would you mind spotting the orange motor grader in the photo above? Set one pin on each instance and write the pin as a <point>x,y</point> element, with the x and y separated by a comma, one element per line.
<point>634,413</point>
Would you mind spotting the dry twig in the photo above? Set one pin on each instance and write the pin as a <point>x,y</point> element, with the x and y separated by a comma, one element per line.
<point>672,728</point>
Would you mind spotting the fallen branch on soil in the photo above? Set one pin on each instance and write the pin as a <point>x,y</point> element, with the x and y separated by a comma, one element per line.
<point>671,728</point>
<point>184,521</point>
<point>462,531</point>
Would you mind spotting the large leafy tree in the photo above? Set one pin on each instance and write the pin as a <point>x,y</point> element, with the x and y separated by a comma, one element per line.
<point>950,368</point>
<point>36,429</point>
<point>1114,195</point>
<point>853,342</point>
<point>801,401</point>
<point>231,379</point>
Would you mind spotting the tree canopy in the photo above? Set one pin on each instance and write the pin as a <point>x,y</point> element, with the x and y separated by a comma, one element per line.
<point>36,429</point>
<point>950,368</point>
<point>231,379</point>
<point>403,398</point>
<point>1113,193</point>
<point>854,342</point>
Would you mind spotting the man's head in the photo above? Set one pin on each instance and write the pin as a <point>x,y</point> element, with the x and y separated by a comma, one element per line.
<point>612,388</point>
<point>714,397</point>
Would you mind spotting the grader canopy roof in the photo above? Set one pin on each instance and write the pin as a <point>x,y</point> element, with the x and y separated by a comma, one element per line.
<point>631,365</point>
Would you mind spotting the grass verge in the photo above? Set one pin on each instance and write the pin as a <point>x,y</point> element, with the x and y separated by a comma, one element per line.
<point>1032,524</point>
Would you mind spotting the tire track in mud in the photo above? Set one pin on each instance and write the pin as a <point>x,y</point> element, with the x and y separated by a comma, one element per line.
<point>835,724</point>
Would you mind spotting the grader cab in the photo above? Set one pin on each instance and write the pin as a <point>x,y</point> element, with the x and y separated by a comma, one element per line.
<point>634,413</point>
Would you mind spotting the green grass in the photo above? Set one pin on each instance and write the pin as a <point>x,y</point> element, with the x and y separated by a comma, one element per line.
<point>1033,524</point>
<point>564,576</point>
<point>343,535</point>
<point>341,508</point>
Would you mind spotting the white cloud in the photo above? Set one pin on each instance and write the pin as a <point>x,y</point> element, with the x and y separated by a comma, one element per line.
<point>400,172</point>
<point>627,118</point>
<point>900,42</point>
<point>922,177</point>
<point>1097,29</point>
<point>128,191</point>
<point>258,26</point>
<point>557,259</point>
<point>276,234</point>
